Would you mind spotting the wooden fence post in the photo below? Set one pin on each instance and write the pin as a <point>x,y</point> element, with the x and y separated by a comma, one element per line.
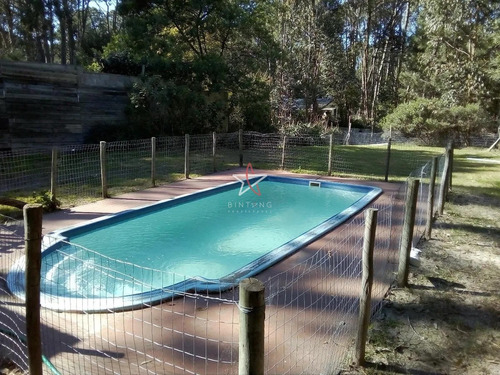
<point>330,155</point>
<point>214,151</point>
<point>283,151</point>
<point>450,166</point>
<point>430,198</point>
<point>153,161</point>
<point>443,188</point>
<point>186,156</point>
<point>240,145</point>
<point>407,235</point>
<point>53,176</point>
<point>366,284</point>
<point>252,314</point>
<point>33,246</point>
<point>387,159</point>
<point>104,178</point>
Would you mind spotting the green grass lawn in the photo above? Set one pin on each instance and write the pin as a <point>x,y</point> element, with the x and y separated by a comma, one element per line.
<point>363,162</point>
<point>477,169</point>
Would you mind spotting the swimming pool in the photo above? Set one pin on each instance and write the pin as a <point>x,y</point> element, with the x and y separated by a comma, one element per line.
<point>206,241</point>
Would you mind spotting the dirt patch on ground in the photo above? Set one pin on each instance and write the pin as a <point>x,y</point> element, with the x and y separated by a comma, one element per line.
<point>448,320</point>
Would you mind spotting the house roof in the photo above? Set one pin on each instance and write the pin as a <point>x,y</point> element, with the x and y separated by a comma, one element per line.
<point>325,103</point>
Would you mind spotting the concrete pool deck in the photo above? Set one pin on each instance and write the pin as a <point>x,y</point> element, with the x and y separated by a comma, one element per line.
<point>199,333</point>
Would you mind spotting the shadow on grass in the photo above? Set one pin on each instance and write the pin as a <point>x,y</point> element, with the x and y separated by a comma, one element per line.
<point>445,288</point>
<point>487,192</point>
<point>475,229</point>
<point>394,369</point>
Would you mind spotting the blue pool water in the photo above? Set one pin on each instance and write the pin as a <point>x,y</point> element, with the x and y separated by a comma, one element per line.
<point>204,241</point>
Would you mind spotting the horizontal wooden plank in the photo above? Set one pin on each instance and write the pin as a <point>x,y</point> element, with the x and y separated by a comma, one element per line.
<point>47,115</point>
<point>38,105</point>
<point>16,69</point>
<point>50,104</point>
<point>42,98</point>
<point>33,79</point>
<point>36,123</point>
<point>101,94</point>
<point>38,87</point>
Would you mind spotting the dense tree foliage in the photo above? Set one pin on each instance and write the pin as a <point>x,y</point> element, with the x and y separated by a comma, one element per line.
<point>56,31</point>
<point>429,67</point>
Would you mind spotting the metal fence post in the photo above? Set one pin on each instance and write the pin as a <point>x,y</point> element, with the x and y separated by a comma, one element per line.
<point>330,154</point>
<point>252,314</point>
<point>153,161</point>
<point>283,153</point>
<point>186,156</point>
<point>407,235</point>
<point>387,159</point>
<point>53,176</point>
<point>366,284</point>
<point>33,246</point>
<point>240,146</point>
<point>430,198</point>
<point>104,179</point>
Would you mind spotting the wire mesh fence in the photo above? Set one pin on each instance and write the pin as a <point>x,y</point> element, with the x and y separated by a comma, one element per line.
<point>201,154</point>
<point>139,164</point>
<point>170,159</point>
<point>226,151</point>
<point>311,306</point>
<point>12,310</point>
<point>311,312</point>
<point>128,165</point>
<point>306,154</point>
<point>78,173</point>
<point>185,333</point>
<point>423,174</point>
<point>25,170</point>
<point>264,151</point>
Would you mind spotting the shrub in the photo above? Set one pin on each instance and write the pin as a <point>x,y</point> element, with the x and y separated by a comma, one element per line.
<point>45,198</point>
<point>433,121</point>
<point>160,107</point>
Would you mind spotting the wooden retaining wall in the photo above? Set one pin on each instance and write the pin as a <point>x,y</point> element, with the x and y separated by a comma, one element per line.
<point>43,105</point>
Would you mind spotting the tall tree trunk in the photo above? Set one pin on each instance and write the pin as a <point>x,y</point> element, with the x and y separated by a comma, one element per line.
<point>365,66</point>
<point>38,27</point>
<point>316,60</point>
<point>58,10</point>
<point>51,31</point>
<point>40,53</point>
<point>10,22</point>
<point>402,51</point>
<point>70,32</point>
<point>83,15</point>
<point>379,78</point>
<point>46,25</point>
